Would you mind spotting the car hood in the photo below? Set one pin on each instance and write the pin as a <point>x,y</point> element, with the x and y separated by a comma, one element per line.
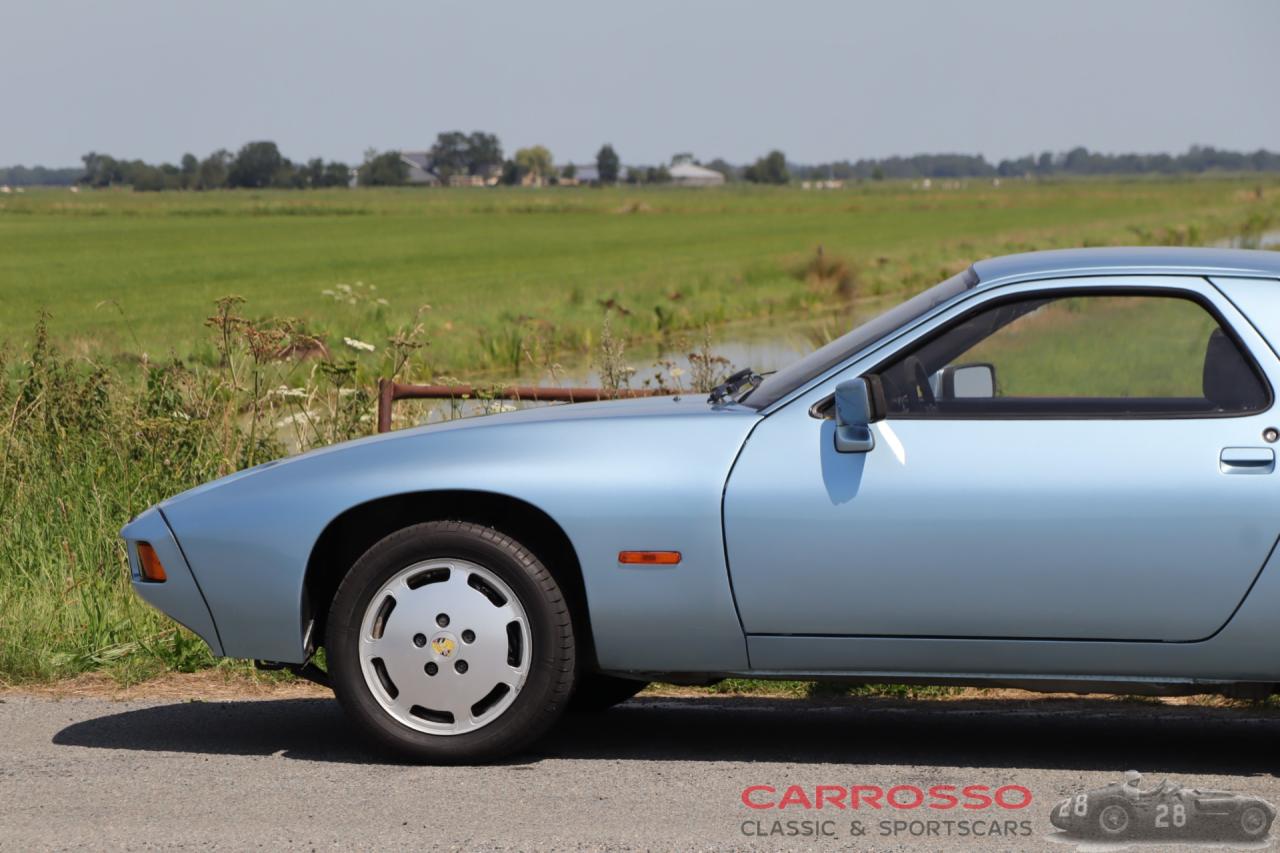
<point>644,414</point>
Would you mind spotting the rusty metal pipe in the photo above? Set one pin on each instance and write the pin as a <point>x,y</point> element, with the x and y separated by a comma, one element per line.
<point>389,392</point>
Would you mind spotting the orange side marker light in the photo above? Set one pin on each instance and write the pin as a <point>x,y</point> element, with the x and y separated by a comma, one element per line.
<point>649,558</point>
<point>149,562</point>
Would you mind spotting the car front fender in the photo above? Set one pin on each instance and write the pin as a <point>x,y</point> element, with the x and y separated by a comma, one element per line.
<point>612,484</point>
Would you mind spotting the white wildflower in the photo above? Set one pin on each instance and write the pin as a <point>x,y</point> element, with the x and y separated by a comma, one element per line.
<point>327,292</point>
<point>286,391</point>
<point>345,288</point>
<point>677,372</point>
<point>289,421</point>
<point>382,301</point>
<point>360,345</point>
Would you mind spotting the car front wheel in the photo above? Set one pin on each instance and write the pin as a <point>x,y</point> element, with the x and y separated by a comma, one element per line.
<point>1254,821</point>
<point>1113,820</point>
<point>450,642</point>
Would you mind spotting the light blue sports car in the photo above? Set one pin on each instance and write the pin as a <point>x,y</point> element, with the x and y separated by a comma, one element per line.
<point>1053,470</point>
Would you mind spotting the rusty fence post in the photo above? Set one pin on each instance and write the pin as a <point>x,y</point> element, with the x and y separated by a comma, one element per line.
<point>386,396</point>
<point>390,391</point>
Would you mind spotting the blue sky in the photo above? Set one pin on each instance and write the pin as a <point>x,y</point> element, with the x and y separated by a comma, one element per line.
<point>821,80</point>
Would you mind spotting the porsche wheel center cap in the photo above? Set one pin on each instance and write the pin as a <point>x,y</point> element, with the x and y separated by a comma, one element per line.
<point>444,644</point>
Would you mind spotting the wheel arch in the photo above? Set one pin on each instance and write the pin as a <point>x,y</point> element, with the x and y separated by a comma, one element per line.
<point>358,528</point>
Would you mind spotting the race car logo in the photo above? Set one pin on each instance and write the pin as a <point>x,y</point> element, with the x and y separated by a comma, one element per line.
<point>1134,810</point>
<point>443,645</point>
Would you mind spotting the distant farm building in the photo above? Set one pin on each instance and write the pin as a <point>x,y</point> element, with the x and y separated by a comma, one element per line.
<point>420,172</point>
<point>691,175</point>
<point>587,173</point>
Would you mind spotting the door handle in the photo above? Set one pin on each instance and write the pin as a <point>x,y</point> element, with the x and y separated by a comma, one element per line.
<point>1247,460</point>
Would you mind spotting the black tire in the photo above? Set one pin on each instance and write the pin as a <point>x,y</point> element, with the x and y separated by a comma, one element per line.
<point>1255,821</point>
<point>1113,820</point>
<point>596,692</point>
<point>547,687</point>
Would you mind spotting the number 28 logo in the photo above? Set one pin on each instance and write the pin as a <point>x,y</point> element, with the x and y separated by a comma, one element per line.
<point>1079,805</point>
<point>1166,815</point>
<point>1164,812</point>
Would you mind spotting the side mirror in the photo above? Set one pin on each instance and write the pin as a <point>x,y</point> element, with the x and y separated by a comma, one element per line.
<point>967,382</point>
<point>853,417</point>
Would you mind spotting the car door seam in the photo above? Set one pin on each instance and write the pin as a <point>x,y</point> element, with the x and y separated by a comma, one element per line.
<point>1243,598</point>
<point>724,535</point>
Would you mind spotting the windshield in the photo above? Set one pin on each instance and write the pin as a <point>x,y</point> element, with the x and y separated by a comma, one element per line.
<point>777,385</point>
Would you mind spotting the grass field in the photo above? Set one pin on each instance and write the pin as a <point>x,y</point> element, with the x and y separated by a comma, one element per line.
<point>121,272</point>
<point>91,430</point>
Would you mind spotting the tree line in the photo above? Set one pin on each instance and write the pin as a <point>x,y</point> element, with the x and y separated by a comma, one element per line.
<point>255,166</point>
<point>1077,161</point>
<point>456,156</point>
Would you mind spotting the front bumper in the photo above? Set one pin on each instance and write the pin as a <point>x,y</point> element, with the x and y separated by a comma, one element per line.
<point>179,596</point>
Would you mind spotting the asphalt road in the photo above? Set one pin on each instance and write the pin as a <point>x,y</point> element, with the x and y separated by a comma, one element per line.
<point>652,774</point>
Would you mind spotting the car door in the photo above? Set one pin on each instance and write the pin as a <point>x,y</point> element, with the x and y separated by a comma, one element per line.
<point>1098,490</point>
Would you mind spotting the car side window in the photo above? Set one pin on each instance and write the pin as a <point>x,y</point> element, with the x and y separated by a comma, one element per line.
<point>1078,355</point>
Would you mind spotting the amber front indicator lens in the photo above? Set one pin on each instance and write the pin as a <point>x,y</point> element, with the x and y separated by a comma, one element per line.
<point>649,558</point>
<point>152,568</point>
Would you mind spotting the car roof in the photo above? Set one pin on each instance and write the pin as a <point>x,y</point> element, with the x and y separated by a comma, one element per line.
<point>1135,260</point>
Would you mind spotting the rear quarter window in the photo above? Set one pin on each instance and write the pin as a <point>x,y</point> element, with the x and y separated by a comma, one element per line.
<point>1259,300</point>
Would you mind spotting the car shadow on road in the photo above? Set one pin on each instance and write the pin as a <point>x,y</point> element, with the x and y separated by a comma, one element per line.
<point>1072,734</point>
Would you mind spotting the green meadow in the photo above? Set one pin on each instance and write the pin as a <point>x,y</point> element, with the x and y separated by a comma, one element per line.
<point>121,272</point>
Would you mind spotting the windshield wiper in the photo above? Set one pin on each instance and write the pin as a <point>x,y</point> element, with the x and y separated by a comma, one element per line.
<point>745,379</point>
